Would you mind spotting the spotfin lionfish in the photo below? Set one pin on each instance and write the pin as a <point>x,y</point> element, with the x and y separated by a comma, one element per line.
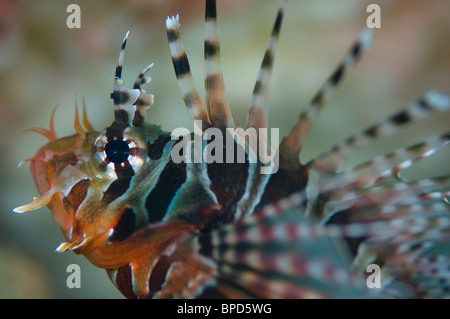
<point>192,229</point>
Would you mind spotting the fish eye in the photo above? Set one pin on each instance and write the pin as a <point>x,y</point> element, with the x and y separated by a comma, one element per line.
<point>119,152</point>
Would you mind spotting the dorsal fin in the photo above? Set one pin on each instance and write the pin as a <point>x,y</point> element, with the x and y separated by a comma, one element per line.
<point>183,72</point>
<point>292,143</point>
<point>259,105</point>
<point>216,104</point>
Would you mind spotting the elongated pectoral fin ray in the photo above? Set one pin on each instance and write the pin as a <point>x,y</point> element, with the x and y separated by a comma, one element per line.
<point>383,167</point>
<point>419,110</point>
<point>385,195</point>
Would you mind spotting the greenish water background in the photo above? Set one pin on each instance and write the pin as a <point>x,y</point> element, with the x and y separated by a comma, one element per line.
<point>43,63</point>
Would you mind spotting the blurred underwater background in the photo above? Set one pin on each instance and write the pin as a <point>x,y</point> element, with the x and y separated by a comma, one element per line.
<point>43,63</point>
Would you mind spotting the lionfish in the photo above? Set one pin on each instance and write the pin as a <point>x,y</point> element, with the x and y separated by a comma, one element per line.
<point>192,229</point>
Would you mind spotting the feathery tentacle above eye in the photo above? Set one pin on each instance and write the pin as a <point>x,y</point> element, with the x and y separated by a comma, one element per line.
<point>144,100</point>
<point>216,104</point>
<point>180,61</point>
<point>293,142</point>
<point>259,106</point>
<point>123,98</point>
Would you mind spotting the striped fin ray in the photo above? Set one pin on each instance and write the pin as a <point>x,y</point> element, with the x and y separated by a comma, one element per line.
<point>395,256</point>
<point>384,166</point>
<point>257,119</point>
<point>216,103</point>
<point>403,228</point>
<point>180,61</point>
<point>382,171</point>
<point>432,275</point>
<point>395,211</point>
<point>293,142</point>
<point>406,250</point>
<point>384,195</point>
<point>438,141</point>
<point>419,110</point>
<point>279,255</point>
<point>123,98</point>
<point>259,106</point>
<point>433,197</point>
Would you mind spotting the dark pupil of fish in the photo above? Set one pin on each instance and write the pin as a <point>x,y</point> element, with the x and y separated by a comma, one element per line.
<point>117,151</point>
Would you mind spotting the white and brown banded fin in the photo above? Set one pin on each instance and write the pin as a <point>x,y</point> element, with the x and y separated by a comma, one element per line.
<point>395,211</point>
<point>259,105</point>
<point>432,275</point>
<point>293,142</point>
<point>419,110</point>
<point>381,172</point>
<point>380,167</point>
<point>385,194</point>
<point>182,69</point>
<point>257,119</point>
<point>421,150</point>
<point>216,103</point>
<point>276,254</point>
<point>429,198</point>
<point>408,260</point>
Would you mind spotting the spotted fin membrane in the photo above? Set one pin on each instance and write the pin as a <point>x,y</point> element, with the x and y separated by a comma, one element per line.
<point>163,229</point>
